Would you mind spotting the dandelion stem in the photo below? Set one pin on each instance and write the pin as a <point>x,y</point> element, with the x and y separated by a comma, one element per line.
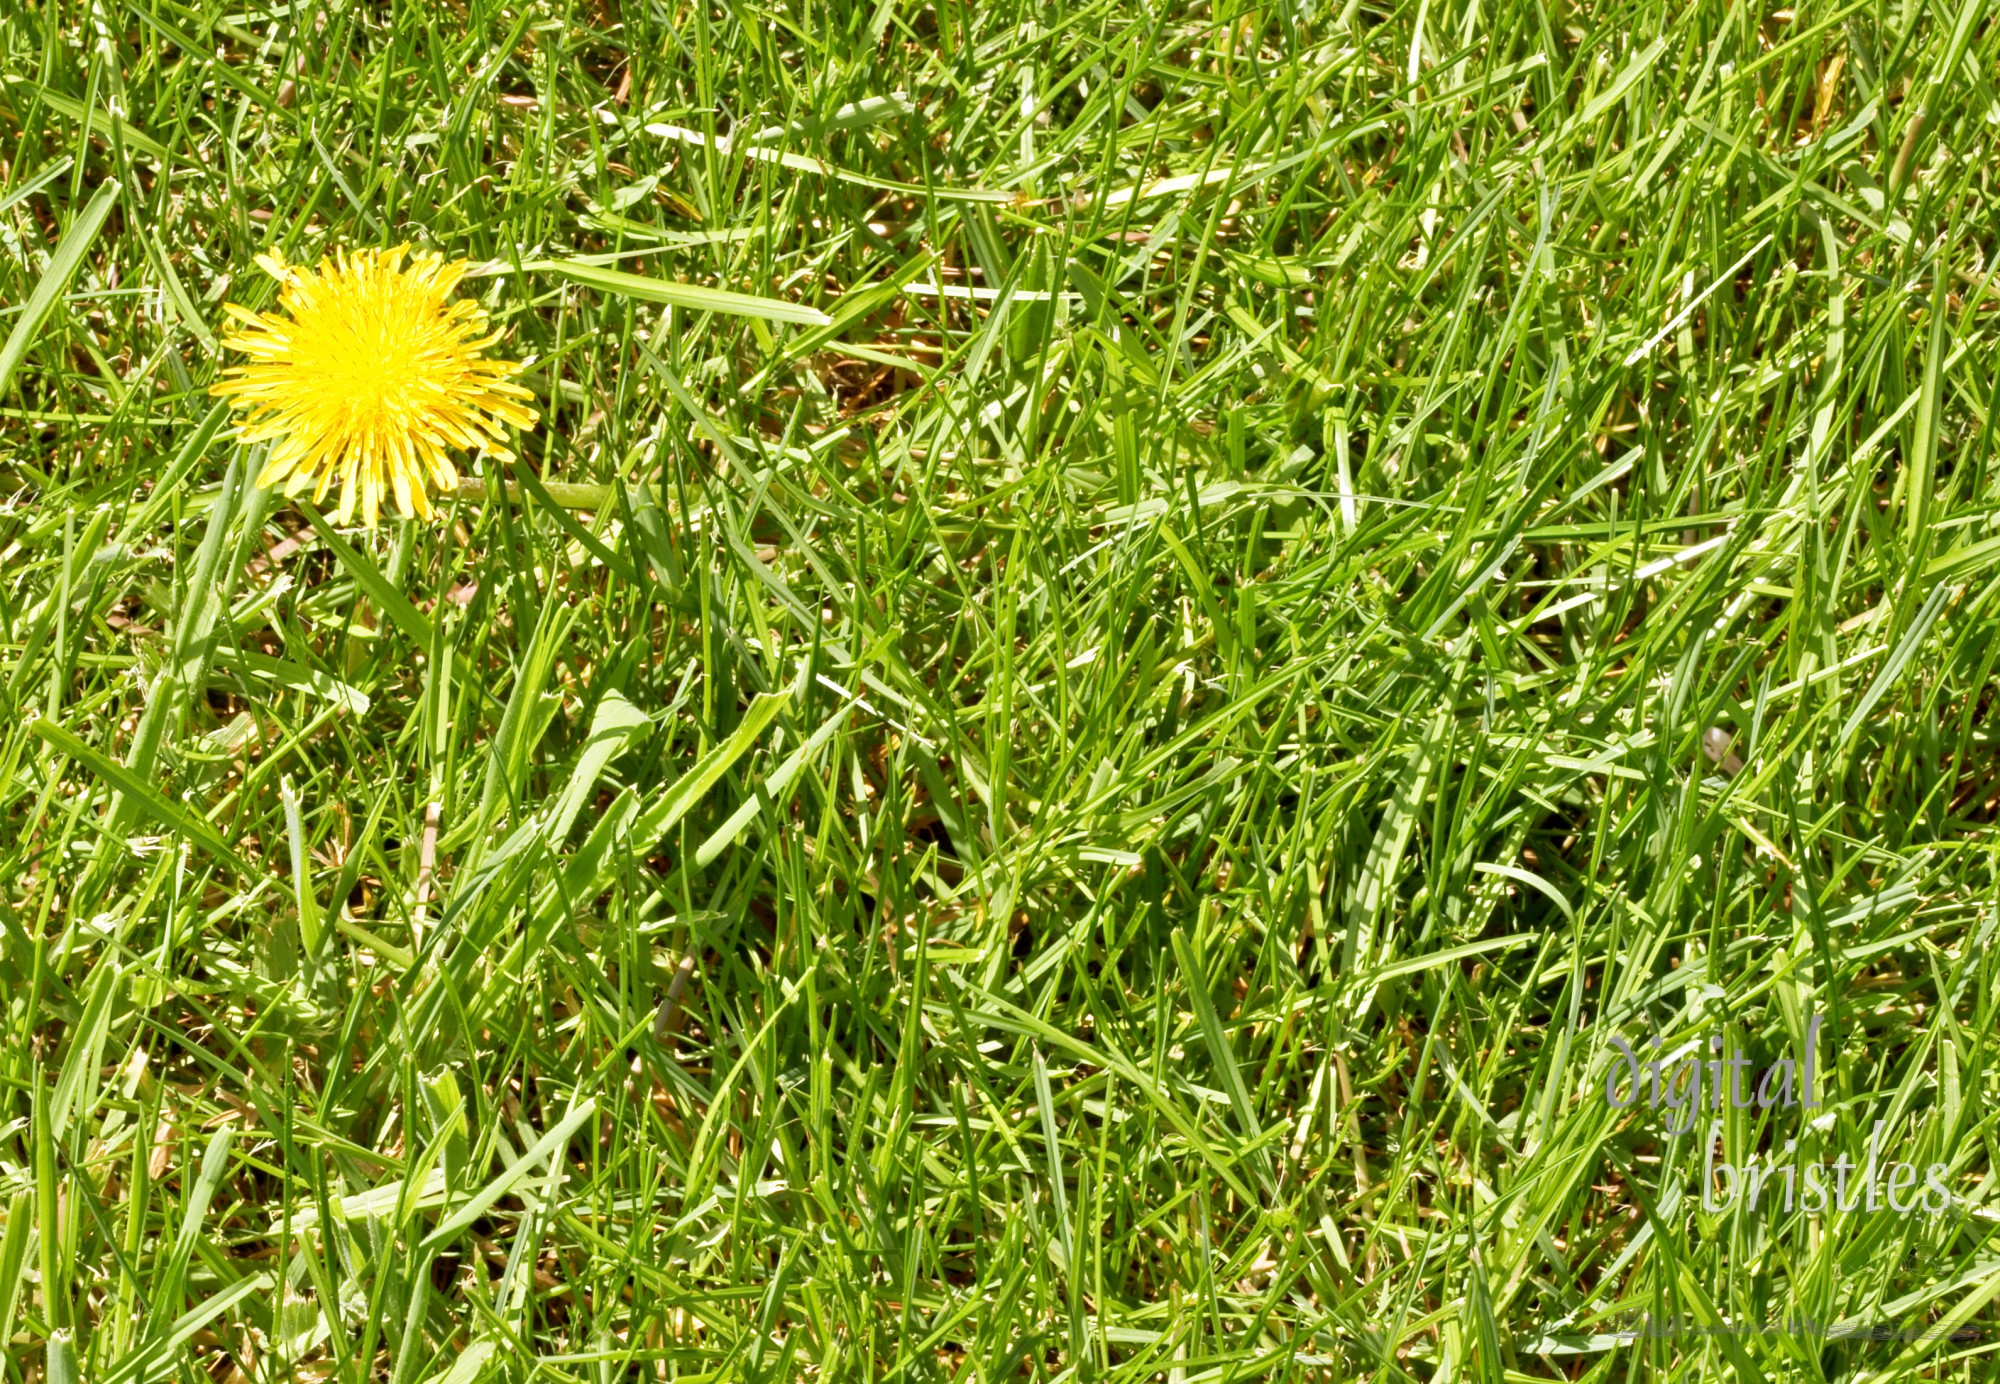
<point>566,495</point>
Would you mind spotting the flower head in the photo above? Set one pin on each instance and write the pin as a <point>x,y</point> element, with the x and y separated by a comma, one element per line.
<point>371,378</point>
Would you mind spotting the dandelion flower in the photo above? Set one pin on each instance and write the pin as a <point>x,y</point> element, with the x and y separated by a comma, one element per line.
<point>371,378</point>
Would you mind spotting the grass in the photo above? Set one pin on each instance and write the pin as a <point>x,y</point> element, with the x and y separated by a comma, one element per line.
<point>1072,785</point>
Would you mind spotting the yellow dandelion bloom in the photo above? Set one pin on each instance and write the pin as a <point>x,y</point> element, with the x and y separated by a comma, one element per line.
<point>370,378</point>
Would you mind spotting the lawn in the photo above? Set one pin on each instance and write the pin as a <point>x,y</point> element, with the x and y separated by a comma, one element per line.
<point>1134,647</point>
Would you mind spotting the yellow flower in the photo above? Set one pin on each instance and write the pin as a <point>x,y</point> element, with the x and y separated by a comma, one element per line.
<point>371,379</point>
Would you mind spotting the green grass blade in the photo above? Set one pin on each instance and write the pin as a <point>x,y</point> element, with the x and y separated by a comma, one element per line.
<point>55,278</point>
<point>694,297</point>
